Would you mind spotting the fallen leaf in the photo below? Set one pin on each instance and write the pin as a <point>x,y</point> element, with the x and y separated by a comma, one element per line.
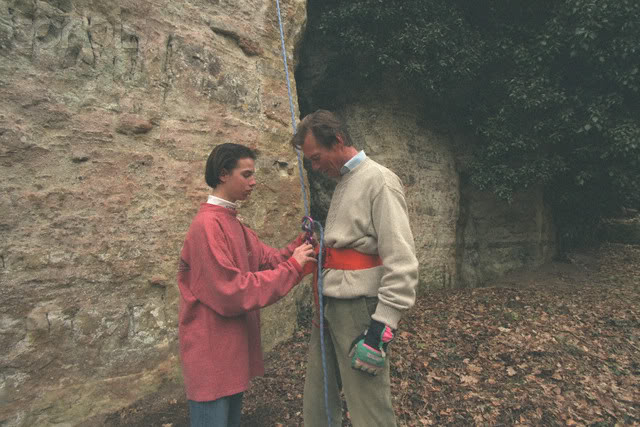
<point>468,379</point>
<point>473,368</point>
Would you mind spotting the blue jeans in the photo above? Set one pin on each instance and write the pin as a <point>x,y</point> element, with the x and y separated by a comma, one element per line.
<point>223,412</point>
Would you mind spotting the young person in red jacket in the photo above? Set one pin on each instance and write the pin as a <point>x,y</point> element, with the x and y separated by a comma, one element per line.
<point>226,275</point>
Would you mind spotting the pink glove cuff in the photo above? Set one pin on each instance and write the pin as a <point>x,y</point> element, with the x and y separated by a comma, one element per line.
<point>387,334</point>
<point>371,348</point>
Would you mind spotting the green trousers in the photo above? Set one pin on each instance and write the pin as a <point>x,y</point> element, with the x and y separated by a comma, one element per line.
<point>368,397</point>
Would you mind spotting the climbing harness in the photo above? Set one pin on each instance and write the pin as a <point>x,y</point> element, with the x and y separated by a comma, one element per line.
<point>308,224</point>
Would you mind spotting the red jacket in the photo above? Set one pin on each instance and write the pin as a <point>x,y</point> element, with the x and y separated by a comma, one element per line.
<point>226,274</point>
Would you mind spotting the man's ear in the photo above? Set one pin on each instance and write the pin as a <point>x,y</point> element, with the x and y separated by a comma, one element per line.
<point>223,175</point>
<point>339,139</point>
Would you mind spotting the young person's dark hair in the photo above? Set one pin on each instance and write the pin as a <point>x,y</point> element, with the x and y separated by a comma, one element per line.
<point>223,159</point>
<point>324,125</point>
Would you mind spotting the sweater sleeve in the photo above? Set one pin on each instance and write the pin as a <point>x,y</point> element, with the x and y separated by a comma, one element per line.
<point>218,282</point>
<point>397,251</point>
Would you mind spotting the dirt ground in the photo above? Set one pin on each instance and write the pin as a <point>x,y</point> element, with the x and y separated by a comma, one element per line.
<point>556,346</point>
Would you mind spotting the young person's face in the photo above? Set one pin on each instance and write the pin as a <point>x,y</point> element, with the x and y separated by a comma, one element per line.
<point>325,160</point>
<point>239,182</point>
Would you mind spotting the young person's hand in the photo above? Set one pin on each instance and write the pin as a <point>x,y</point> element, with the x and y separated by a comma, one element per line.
<point>302,238</point>
<point>304,254</point>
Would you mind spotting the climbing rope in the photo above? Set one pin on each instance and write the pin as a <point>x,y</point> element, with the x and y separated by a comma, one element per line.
<point>308,223</point>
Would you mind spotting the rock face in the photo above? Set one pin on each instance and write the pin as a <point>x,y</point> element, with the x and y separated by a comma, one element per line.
<point>494,237</point>
<point>109,110</point>
<point>463,237</point>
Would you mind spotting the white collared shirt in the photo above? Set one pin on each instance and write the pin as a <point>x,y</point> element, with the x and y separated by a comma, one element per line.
<point>213,200</point>
<point>353,163</point>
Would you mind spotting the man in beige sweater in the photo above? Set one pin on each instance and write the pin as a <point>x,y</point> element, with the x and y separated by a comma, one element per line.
<point>369,277</point>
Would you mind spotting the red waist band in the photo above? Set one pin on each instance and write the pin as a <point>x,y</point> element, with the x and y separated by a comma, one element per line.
<point>349,259</point>
<point>343,259</point>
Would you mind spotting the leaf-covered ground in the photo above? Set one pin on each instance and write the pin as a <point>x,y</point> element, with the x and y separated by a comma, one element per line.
<point>556,346</point>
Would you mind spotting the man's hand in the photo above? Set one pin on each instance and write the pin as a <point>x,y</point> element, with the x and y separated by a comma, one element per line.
<point>304,254</point>
<point>368,350</point>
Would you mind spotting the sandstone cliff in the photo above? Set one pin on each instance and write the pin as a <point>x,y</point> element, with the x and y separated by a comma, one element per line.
<point>108,111</point>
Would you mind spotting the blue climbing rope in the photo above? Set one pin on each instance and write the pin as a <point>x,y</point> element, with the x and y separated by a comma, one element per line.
<point>308,222</point>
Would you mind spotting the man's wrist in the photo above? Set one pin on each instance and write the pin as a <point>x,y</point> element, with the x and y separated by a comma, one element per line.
<point>387,314</point>
<point>378,334</point>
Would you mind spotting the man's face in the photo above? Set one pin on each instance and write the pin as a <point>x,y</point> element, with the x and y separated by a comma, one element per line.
<point>238,184</point>
<point>325,160</point>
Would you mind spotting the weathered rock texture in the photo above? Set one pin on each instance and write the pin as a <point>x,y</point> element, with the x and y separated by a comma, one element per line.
<point>108,111</point>
<point>495,237</point>
<point>463,237</point>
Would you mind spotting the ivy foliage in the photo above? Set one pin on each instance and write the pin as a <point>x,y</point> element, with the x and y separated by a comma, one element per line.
<point>551,88</point>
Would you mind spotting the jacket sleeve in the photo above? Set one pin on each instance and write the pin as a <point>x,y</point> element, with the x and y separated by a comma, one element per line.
<point>271,257</point>
<point>397,251</point>
<point>217,282</point>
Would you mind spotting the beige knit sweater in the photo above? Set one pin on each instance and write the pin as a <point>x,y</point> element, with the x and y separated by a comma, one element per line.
<point>368,213</point>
